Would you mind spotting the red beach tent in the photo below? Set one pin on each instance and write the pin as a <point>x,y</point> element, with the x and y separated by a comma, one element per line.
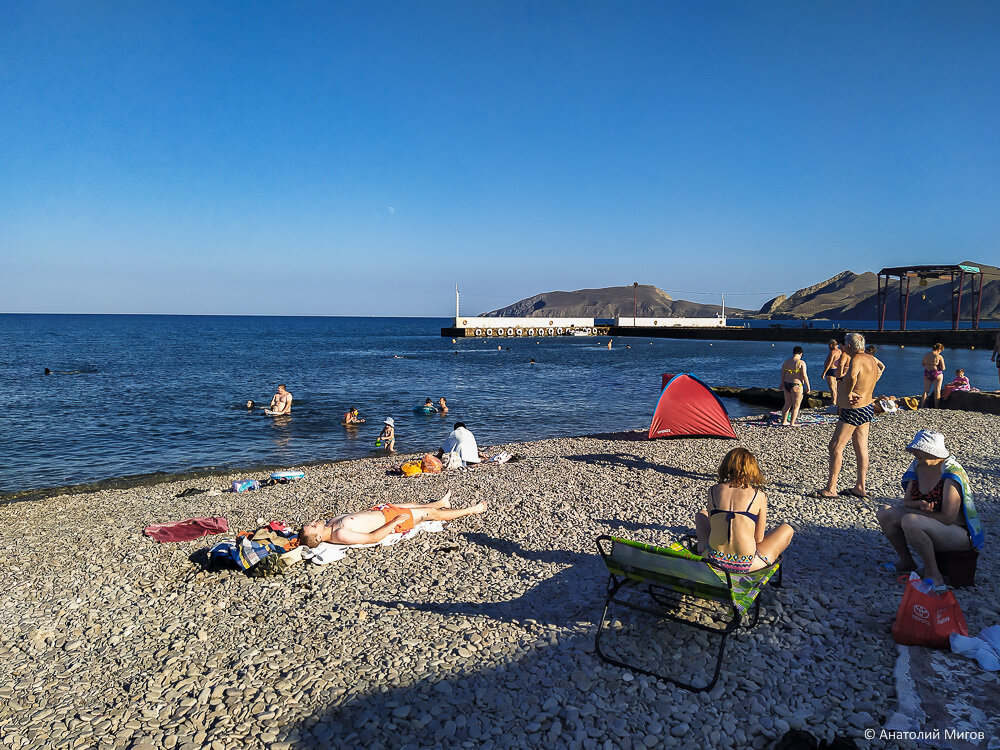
<point>689,408</point>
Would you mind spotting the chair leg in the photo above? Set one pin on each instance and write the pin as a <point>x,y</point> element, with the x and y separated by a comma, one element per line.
<point>632,668</point>
<point>756,612</point>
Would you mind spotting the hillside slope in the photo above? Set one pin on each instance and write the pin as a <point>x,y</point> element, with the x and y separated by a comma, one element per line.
<point>609,302</point>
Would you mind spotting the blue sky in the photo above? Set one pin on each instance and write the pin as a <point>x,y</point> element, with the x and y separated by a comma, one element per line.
<point>361,159</point>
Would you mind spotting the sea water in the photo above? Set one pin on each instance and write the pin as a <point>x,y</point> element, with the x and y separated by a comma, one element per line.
<point>133,394</point>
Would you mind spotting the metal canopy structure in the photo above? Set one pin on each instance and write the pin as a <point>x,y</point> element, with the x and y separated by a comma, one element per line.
<point>955,274</point>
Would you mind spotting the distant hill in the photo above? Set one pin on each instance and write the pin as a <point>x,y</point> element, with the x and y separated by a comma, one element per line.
<point>609,302</point>
<point>846,296</point>
<point>851,296</point>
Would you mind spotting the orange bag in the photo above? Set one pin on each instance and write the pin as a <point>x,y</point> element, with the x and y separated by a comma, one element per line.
<point>927,619</point>
<point>430,464</point>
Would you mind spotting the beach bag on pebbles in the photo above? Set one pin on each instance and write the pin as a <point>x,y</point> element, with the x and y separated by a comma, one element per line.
<point>430,464</point>
<point>453,460</point>
<point>925,618</point>
<point>411,468</point>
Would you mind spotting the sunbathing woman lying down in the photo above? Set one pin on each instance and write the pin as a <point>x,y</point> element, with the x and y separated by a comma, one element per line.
<point>372,526</point>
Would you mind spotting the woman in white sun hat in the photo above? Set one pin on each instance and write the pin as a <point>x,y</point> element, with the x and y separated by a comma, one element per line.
<point>937,512</point>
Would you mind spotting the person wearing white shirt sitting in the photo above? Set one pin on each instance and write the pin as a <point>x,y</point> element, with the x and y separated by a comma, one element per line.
<point>462,441</point>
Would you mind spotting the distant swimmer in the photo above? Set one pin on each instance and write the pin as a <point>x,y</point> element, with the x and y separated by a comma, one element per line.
<point>532,360</point>
<point>351,417</point>
<point>48,371</point>
<point>251,405</point>
<point>281,403</point>
<point>442,405</point>
<point>609,344</point>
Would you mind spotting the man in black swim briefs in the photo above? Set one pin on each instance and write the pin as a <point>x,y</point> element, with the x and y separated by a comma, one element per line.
<point>856,404</point>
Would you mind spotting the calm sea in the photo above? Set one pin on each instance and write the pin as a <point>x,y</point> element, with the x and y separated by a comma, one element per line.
<point>134,394</point>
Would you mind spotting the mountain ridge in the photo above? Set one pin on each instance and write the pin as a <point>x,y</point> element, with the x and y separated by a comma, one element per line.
<point>844,296</point>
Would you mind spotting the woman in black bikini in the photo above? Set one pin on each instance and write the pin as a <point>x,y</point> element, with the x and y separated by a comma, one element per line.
<point>731,527</point>
<point>794,384</point>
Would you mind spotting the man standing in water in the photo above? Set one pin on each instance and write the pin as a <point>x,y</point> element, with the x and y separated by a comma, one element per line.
<point>855,401</point>
<point>281,402</point>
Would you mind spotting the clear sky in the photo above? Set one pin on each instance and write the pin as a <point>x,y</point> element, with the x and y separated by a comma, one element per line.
<point>327,158</point>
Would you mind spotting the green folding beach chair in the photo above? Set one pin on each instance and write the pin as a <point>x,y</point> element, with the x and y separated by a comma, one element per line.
<point>672,583</point>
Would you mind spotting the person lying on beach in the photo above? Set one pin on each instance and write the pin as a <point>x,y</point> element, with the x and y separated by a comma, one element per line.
<point>372,526</point>
<point>937,512</point>
<point>351,417</point>
<point>731,529</point>
<point>281,402</point>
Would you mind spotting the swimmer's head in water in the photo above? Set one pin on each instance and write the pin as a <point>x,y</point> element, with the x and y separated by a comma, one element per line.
<point>428,402</point>
<point>48,371</point>
<point>250,404</point>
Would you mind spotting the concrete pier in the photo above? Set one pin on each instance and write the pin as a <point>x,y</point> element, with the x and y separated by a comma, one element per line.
<point>961,339</point>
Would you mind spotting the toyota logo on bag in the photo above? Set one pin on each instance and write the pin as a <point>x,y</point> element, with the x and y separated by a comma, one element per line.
<point>921,611</point>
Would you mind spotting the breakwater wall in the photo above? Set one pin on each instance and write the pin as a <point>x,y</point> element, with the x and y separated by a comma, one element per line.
<point>984,403</point>
<point>961,339</point>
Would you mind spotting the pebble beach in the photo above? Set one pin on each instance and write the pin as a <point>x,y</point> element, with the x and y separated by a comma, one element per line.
<point>480,636</point>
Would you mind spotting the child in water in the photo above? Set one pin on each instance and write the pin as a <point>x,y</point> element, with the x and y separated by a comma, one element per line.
<point>387,438</point>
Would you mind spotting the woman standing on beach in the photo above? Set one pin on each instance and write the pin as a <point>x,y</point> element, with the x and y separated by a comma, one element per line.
<point>731,527</point>
<point>831,367</point>
<point>794,384</point>
<point>934,368</point>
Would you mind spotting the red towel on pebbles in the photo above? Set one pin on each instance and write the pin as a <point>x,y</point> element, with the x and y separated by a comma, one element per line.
<point>186,530</point>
